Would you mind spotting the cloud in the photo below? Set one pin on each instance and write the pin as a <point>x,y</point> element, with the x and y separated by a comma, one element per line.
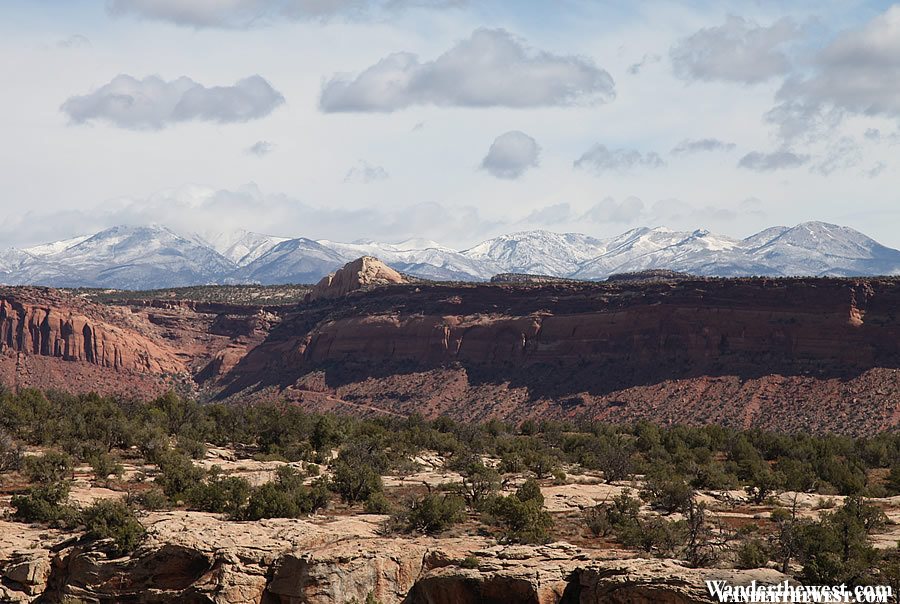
<point>607,210</point>
<point>876,170</point>
<point>737,51</point>
<point>365,173</point>
<point>153,103</point>
<point>768,162</point>
<point>688,147</point>
<point>188,210</point>
<point>260,148</point>
<point>635,68</point>
<point>491,68</point>
<point>856,74</point>
<point>559,213</point>
<point>600,159</point>
<point>231,13</point>
<point>248,13</point>
<point>843,154</point>
<point>74,41</point>
<point>511,154</point>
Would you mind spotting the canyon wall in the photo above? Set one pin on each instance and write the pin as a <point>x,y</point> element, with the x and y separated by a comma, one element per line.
<point>782,354</point>
<point>812,354</point>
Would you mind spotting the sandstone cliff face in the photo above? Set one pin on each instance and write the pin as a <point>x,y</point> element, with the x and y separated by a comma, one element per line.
<point>777,354</point>
<point>48,330</point>
<point>196,558</point>
<point>362,273</point>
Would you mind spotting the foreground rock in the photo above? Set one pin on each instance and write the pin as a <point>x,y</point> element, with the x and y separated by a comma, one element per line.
<point>195,557</point>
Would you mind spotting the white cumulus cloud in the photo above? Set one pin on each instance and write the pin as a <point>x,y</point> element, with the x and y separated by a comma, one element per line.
<point>511,154</point>
<point>491,68</point>
<point>154,103</point>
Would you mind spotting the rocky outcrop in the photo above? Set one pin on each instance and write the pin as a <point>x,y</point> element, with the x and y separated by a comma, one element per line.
<point>194,557</point>
<point>362,273</point>
<point>49,328</point>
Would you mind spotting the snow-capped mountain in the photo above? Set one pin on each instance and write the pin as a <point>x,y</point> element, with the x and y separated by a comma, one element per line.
<point>241,247</point>
<point>538,252</point>
<point>293,261</point>
<point>155,256</point>
<point>122,257</point>
<point>420,257</point>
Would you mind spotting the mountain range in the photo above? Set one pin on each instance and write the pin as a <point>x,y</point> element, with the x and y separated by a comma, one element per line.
<point>148,257</point>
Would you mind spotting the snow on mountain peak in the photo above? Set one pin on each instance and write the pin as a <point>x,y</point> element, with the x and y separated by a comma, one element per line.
<point>156,256</point>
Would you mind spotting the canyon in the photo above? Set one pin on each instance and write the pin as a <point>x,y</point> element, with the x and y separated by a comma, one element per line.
<point>783,354</point>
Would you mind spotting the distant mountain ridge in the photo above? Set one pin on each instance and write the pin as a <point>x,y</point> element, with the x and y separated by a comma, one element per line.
<point>149,257</point>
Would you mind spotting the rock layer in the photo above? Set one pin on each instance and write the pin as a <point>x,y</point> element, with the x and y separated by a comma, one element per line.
<point>779,354</point>
<point>49,329</point>
<point>197,558</point>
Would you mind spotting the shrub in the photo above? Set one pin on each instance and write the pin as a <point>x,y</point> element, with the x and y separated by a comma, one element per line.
<point>178,475</point>
<point>151,499</point>
<point>596,520</point>
<point>104,466</point>
<point>479,482</point>
<point>355,482</point>
<point>49,468</point>
<point>656,535</point>
<point>192,448</point>
<point>432,513</point>
<point>10,453</point>
<point>521,515</point>
<point>286,497</point>
<point>667,491</point>
<point>470,562</point>
<point>752,553</point>
<point>836,549</point>
<point>111,519</point>
<point>377,503</point>
<point>219,495</point>
<point>46,503</point>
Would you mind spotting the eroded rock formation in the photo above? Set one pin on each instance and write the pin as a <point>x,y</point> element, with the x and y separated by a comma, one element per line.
<point>195,557</point>
<point>362,273</point>
<point>778,354</point>
<point>48,328</point>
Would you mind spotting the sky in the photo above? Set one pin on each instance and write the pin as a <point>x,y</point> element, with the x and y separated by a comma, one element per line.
<point>450,120</point>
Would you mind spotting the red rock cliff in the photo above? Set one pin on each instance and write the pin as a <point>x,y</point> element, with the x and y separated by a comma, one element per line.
<point>48,328</point>
<point>786,354</point>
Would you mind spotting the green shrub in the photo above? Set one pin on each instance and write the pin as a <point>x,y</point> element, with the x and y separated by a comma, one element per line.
<point>46,503</point>
<point>49,468</point>
<point>10,452</point>
<point>112,519</point>
<point>286,497</point>
<point>655,535</point>
<point>521,515</point>
<point>151,500</point>
<point>219,495</point>
<point>470,562</point>
<point>377,503</point>
<point>433,513</point>
<point>667,491</point>
<point>596,520</point>
<point>752,553</point>
<point>355,482</point>
<point>192,448</point>
<point>178,475</point>
<point>104,466</point>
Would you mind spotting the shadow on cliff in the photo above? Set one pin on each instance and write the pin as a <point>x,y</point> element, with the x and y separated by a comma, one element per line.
<point>746,329</point>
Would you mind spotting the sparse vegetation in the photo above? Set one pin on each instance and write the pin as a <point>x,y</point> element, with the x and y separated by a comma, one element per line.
<point>340,462</point>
